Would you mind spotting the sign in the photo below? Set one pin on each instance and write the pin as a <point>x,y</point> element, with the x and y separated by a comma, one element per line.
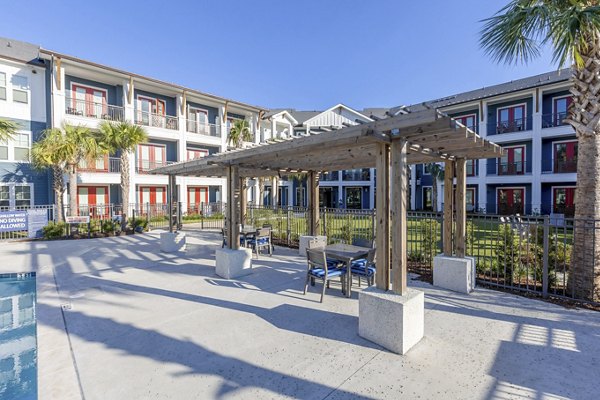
<point>74,219</point>
<point>36,220</point>
<point>12,221</point>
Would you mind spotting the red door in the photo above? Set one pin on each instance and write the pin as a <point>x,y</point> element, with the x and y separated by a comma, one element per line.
<point>150,156</point>
<point>93,201</point>
<point>561,108</point>
<point>513,161</point>
<point>153,195</point>
<point>564,201</point>
<point>565,156</point>
<point>510,200</point>
<point>88,102</point>
<point>196,196</point>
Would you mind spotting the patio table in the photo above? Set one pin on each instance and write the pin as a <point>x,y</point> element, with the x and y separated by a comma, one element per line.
<point>246,233</point>
<point>346,253</point>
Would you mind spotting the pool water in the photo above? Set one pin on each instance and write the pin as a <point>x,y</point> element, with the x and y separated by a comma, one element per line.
<point>18,344</point>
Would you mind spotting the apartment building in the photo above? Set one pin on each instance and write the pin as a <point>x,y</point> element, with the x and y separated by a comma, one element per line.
<point>42,88</point>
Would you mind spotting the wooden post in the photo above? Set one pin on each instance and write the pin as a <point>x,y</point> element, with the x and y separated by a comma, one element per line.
<point>235,209</point>
<point>461,206</point>
<point>448,207</point>
<point>382,239</point>
<point>243,200</point>
<point>399,187</point>
<point>313,203</point>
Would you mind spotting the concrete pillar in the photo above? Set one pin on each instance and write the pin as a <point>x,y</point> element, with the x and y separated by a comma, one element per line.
<point>273,128</point>
<point>536,153</point>
<point>274,191</point>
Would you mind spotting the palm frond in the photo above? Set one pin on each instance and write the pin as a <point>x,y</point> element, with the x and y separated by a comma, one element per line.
<point>8,129</point>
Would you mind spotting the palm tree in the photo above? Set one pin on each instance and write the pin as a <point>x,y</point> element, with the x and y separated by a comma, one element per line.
<point>239,133</point>
<point>7,130</point>
<point>437,174</point>
<point>63,150</point>
<point>123,137</point>
<point>571,28</point>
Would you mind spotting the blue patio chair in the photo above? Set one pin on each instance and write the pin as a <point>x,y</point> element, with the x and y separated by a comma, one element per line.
<point>224,242</point>
<point>365,268</point>
<point>261,240</point>
<point>319,268</point>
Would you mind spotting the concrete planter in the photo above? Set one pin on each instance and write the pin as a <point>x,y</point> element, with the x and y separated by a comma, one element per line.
<point>390,320</point>
<point>171,242</point>
<point>453,273</point>
<point>233,263</point>
<point>304,240</point>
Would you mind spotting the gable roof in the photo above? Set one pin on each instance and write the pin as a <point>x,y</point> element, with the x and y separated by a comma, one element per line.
<point>340,105</point>
<point>285,113</point>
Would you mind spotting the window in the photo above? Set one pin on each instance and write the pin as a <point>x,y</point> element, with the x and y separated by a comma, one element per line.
<point>150,156</point>
<point>2,86</point>
<point>20,89</point>
<point>198,121</point>
<point>470,121</point>
<point>300,197</point>
<point>153,195</point>
<point>513,161</point>
<point>3,150</point>
<point>565,156</point>
<point>471,167</point>
<point>196,196</point>
<point>193,154</point>
<point>151,111</point>
<point>426,169</point>
<point>563,200</point>
<point>427,198</point>
<point>511,200</point>
<point>87,101</point>
<point>16,195</point>
<point>354,198</point>
<point>470,199</point>
<point>21,147</point>
<point>561,107</point>
<point>511,119</point>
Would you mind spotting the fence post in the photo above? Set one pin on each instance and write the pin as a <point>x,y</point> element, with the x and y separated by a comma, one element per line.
<point>545,256</point>
<point>202,215</point>
<point>148,214</point>
<point>288,229</point>
<point>179,216</point>
<point>133,220</point>
<point>324,219</point>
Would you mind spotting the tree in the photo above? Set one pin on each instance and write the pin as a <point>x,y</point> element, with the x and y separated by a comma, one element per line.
<point>240,132</point>
<point>7,130</point>
<point>123,137</point>
<point>437,174</point>
<point>571,28</point>
<point>63,150</point>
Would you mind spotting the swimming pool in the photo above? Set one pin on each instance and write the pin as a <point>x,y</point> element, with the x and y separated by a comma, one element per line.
<point>18,344</point>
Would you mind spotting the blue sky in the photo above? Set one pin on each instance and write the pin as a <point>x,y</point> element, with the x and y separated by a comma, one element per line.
<point>308,54</point>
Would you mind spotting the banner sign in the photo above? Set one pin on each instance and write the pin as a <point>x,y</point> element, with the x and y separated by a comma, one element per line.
<point>12,221</point>
<point>36,220</point>
<point>77,219</point>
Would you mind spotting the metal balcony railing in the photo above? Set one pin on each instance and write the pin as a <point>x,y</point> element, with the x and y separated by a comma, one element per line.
<point>510,168</point>
<point>202,128</point>
<point>145,166</point>
<point>553,120</point>
<point>565,166</point>
<point>516,125</point>
<point>107,165</point>
<point>156,120</point>
<point>92,109</point>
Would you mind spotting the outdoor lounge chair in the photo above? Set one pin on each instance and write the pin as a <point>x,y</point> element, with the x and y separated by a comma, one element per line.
<point>365,268</point>
<point>319,268</point>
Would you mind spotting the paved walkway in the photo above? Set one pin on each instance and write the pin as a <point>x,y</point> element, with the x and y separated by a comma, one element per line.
<point>147,325</point>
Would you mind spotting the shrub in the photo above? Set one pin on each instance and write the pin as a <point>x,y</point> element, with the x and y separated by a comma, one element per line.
<point>138,224</point>
<point>109,226</point>
<point>427,231</point>
<point>54,230</point>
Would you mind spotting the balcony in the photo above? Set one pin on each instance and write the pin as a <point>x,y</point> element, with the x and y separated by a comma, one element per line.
<point>356,175</point>
<point>200,128</point>
<point>106,165</point>
<point>145,166</point>
<point>90,109</point>
<point>553,120</point>
<point>504,168</point>
<point>156,120</point>
<point>329,177</point>
<point>565,166</point>
<point>517,125</point>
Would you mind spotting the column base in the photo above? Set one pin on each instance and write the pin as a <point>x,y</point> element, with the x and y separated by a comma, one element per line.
<point>390,320</point>
<point>233,263</point>
<point>304,240</point>
<point>171,242</point>
<point>453,273</point>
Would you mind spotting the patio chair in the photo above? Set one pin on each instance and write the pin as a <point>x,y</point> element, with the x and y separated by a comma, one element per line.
<point>365,268</point>
<point>362,242</point>
<point>270,227</point>
<point>224,242</point>
<point>261,240</point>
<point>319,268</point>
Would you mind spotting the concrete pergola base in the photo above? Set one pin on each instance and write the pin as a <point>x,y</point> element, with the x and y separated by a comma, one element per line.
<point>233,263</point>
<point>404,322</point>
<point>305,240</point>
<point>171,242</point>
<point>454,273</point>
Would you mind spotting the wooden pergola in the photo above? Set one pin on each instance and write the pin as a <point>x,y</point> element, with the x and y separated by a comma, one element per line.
<point>388,145</point>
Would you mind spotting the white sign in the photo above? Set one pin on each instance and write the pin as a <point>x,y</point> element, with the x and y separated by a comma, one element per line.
<point>77,219</point>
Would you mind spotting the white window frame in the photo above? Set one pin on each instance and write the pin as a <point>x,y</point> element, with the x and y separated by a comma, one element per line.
<point>5,86</point>
<point>512,187</point>
<point>302,189</point>
<point>10,144</point>
<point>552,194</point>
<point>554,98</point>
<point>187,151</point>
<point>512,106</point>
<point>423,188</point>
<point>12,194</point>
<point>27,91</point>
<point>474,115</point>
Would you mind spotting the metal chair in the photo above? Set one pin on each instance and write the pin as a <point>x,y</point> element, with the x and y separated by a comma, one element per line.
<point>362,242</point>
<point>319,268</point>
<point>270,227</point>
<point>365,268</point>
<point>261,240</point>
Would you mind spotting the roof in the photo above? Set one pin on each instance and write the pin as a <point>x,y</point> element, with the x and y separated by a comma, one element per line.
<point>20,51</point>
<point>431,135</point>
<point>531,82</point>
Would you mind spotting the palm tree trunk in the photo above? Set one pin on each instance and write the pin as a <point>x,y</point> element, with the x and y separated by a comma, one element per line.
<point>124,188</point>
<point>584,276</point>
<point>72,190</point>
<point>59,187</point>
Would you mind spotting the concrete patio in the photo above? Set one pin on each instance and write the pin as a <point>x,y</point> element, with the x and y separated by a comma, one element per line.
<point>148,325</point>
